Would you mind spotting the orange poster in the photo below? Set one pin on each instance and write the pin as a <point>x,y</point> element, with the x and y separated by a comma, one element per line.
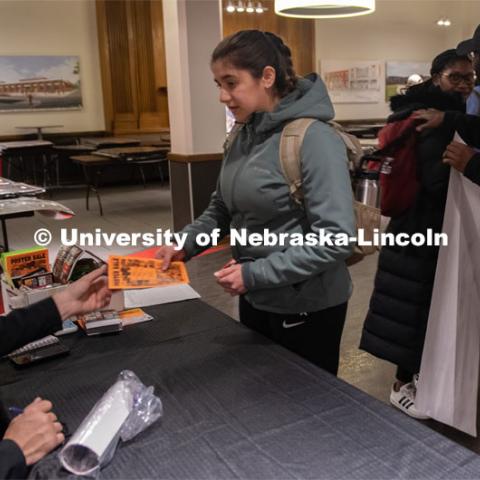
<point>130,272</point>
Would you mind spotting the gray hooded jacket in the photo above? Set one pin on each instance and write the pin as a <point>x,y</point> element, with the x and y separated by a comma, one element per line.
<point>252,194</point>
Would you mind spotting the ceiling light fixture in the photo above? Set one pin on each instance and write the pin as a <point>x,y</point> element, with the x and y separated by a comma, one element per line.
<point>252,6</point>
<point>259,8</point>
<point>323,8</point>
<point>444,22</point>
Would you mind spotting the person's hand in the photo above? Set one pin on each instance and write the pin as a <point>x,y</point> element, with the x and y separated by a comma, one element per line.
<point>458,155</point>
<point>230,278</point>
<point>36,431</point>
<point>168,254</point>
<point>87,294</point>
<point>432,118</point>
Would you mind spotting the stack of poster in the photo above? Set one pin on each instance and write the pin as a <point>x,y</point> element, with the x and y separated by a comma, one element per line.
<point>28,267</point>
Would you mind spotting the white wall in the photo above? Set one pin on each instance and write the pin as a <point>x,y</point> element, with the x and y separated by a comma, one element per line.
<point>398,30</point>
<point>197,119</point>
<point>204,33</point>
<point>55,27</point>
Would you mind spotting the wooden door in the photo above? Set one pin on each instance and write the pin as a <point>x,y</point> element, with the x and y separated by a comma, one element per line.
<point>132,59</point>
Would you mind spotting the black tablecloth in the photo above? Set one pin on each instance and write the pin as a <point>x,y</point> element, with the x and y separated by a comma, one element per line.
<point>235,406</point>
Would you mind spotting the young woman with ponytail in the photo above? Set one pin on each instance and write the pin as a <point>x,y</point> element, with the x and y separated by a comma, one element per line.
<point>295,295</point>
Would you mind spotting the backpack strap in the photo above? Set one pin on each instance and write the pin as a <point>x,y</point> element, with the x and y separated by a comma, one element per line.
<point>290,159</point>
<point>352,144</point>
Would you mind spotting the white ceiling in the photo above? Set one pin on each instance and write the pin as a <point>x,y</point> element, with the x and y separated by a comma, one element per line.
<point>464,14</point>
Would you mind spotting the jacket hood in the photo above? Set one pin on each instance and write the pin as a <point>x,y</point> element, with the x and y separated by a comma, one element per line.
<point>425,95</point>
<point>309,99</point>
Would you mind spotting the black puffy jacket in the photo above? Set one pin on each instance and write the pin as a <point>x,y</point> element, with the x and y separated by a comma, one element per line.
<point>397,318</point>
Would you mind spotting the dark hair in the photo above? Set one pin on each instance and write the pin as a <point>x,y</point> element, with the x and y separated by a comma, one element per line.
<point>253,50</point>
<point>445,60</point>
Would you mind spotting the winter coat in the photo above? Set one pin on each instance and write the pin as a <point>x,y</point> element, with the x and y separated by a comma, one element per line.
<point>252,194</point>
<point>396,322</point>
<point>468,126</point>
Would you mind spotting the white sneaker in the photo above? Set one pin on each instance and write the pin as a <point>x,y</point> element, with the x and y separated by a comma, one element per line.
<point>404,400</point>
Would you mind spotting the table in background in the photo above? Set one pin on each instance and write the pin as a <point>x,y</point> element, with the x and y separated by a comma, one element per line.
<point>109,142</point>
<point>96,163</point>
<point>118,157</point>
<point>11,151</point>
<point>235,406</point>
<point>138,156</point>
<point>63,153</point>
<point>39,129</point>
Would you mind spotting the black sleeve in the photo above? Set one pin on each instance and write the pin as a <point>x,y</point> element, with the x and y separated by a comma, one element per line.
<point>25,325</point>
<point>468,126</point>
<point>433,174</point>
<point>12,461</point>
<point>472,170</point>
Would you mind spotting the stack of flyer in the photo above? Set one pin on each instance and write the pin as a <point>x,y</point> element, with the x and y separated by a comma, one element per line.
<point>110,321</point>
<point>96,323</point>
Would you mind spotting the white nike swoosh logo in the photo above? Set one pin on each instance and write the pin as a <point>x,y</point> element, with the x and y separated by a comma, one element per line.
<point>291,325</point>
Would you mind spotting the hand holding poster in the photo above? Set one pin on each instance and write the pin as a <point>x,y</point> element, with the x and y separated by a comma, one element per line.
<point>130,272</point>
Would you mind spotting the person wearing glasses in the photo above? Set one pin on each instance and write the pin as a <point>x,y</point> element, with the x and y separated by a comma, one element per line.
<point>396,322</point>
<point>458,155</point>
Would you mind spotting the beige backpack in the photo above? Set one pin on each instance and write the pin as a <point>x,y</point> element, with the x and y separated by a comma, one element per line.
<point>367,217</point>
<point>291,141</point>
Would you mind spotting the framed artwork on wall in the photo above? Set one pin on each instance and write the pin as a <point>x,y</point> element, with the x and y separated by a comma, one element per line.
<point>39,83</point>
<point>399,75</point>
<point>350,81</point>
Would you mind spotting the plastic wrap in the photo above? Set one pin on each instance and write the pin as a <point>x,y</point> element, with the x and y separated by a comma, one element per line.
<point>126,409</point>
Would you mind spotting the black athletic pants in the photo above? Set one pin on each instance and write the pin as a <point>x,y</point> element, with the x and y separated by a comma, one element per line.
<point>315,335</point>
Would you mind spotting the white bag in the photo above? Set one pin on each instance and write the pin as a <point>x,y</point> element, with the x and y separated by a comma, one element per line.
<point>448,383</point>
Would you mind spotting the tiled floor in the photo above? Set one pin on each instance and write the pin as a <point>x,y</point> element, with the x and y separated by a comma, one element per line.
<point>136,209</point>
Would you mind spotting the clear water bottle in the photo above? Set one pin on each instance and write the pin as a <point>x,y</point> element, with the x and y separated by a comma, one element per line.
<point>367,190</point>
